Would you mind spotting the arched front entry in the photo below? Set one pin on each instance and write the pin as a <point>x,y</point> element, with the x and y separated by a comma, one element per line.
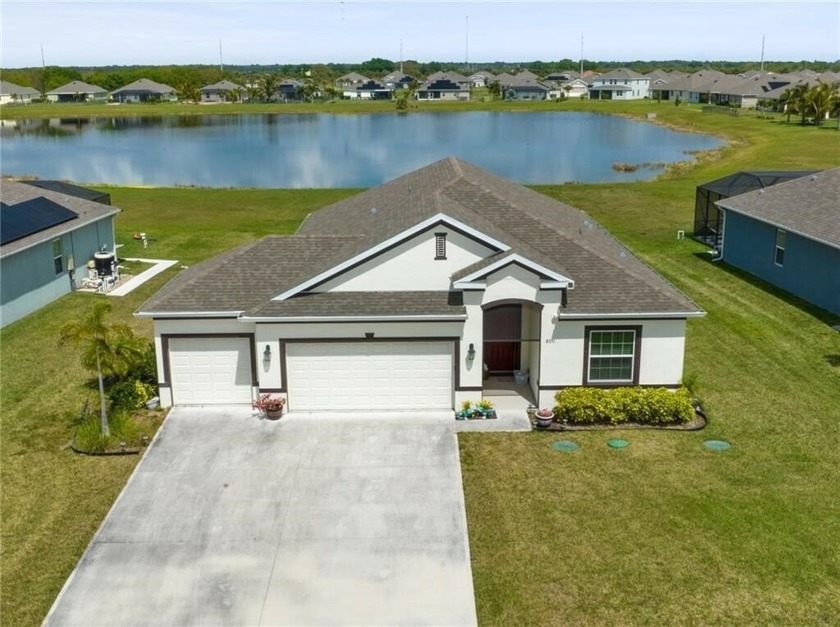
<point>511,336</point>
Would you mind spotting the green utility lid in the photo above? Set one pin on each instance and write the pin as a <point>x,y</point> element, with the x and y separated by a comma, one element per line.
<point>617,443</point>
<point>717,445</point>
<point>566,446</point>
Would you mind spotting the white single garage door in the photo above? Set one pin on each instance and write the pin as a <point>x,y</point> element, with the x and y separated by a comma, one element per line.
<point>369,375</point>
<point>210,370</point>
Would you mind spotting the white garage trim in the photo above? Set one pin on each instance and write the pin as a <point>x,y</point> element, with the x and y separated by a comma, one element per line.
<point>209,370</point>
<point>375,375</point>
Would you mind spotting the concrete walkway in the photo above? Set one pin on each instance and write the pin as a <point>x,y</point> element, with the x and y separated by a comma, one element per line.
<point>159,266</point>
<point>309,520</point>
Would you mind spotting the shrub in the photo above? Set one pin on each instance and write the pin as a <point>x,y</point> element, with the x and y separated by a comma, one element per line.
<point>130,394</point>
<point>652,406</point>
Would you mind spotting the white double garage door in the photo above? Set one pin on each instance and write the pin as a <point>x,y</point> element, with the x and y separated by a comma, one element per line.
<point>372,375</point>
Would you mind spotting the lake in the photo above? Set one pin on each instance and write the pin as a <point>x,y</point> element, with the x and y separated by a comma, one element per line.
<point>325,150</point>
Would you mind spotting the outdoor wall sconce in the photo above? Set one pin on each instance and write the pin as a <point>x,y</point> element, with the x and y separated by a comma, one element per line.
<point>471,353</point>
<point>267,356</point>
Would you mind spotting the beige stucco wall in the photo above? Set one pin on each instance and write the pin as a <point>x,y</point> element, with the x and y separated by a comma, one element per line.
<point>411,266</point>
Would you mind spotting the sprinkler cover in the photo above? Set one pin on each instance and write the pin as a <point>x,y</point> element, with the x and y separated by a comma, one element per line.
<point>717,445</point>
<point>617,443</point>
<point>566,446</point>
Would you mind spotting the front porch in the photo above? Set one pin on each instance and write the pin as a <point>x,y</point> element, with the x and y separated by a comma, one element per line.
<point>506,393</point>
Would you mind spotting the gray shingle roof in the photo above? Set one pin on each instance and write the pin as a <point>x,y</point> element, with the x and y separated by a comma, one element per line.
<point>13,193</point>
<point>78,87</point>
<point>223,86</point>
<point>7,88</point>
<point>145,85</point>
<point>608,277</point>
<point>622,73</point>
<point>808,206</point>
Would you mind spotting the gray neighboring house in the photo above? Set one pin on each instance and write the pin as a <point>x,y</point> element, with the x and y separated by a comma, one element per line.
<point>144,90</point>
<point>46,239</point>
<point>444,86</point>
<point>77,91</point>
<point>15,94</point>
<point>482,78</point>
<point>351,79</point>
<point>221,92</point>
<point>789,235</point>
<point>518,88</point>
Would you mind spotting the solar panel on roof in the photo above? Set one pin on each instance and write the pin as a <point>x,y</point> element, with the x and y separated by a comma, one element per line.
<point>30,217</point>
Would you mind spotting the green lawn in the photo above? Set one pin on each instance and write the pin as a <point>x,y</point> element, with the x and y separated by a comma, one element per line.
<point>662,532</point>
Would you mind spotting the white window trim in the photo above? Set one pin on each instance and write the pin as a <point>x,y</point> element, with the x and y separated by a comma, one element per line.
<point>631,356</point>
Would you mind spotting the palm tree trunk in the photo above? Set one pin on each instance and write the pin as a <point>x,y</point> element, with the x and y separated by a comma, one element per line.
<point>103,412</point>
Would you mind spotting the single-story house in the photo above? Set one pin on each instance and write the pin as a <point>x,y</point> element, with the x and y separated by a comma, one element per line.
<point>290,90</point>
<point>48,232</point>
<point>372,90</point>
<point>574,88</point>
<point>516,88</point>
<point>411,295</point>
<point>453,77</point>
<point>144,90</point>
<point>693,88</point>
<point>482,78</point>
<point>789,235</point>
<point>353,79</point>
<point>708,218</point>
<point>77,91</point>
<point>442,89</point>
<point>620,84</point>
<point>15,94</point>
<point>397,80</point>
<point>224,91</point>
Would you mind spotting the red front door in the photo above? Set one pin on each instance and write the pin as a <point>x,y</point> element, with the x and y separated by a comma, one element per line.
<point>502,338</point>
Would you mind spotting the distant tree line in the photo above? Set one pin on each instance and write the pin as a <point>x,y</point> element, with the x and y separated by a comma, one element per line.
<point>187,79</point>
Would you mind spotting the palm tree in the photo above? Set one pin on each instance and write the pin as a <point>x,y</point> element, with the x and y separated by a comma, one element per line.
<point>107,349</point>
<point>794,100</point>
<point>820,99</point>
<point>268,86</point>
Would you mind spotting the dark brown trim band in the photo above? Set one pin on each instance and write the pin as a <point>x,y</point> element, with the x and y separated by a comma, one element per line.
<point>637,352</point>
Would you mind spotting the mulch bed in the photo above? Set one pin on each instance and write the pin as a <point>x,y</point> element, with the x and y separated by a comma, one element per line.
<point>699,422</point>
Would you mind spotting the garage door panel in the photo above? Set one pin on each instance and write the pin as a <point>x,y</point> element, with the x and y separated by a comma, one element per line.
<point>369,375</point>
<point>207,371</point>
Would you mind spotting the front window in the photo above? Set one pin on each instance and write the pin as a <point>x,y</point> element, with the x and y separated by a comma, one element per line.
<point>779,254</point>
<point>58,256</point>
<point>612,356</point>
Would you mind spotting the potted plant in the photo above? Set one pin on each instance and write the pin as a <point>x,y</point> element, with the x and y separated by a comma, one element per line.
<point>271,405</point>
<point>485,408</point>
<point>545,417</point>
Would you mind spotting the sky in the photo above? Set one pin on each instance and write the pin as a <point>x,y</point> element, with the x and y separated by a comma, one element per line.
<point>112,32</point>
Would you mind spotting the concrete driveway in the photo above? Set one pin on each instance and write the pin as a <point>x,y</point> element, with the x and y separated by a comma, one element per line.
<point>230,519</point>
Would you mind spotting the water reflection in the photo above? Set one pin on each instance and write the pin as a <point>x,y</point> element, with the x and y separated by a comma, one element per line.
<point>323,150</point>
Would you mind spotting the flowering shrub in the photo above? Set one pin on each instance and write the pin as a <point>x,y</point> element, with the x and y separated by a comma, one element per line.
<point>269,402</point>
<point>652,406</point>
<point>131,394</point>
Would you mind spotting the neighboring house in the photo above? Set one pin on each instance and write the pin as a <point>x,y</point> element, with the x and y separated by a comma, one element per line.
<point>659,81</point>
<point>481,78</point>
<point>77,91</point>
<point>15,94</point>
<point>48,232</point>
<point>407,295</point>
<point>789,235</point>
<point>290,90</point>
<point>224,91</point>
<point>693,88</point>
<point>397,80</point>
<point>517,88</point>
<point>372,90</point>
<point>353,80</point>
<point>574,88</point>
<point>442,89</point>
<point>621,84</point>
<point>144,90</point>
<point>708,219</point>
<point>454,77</point>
